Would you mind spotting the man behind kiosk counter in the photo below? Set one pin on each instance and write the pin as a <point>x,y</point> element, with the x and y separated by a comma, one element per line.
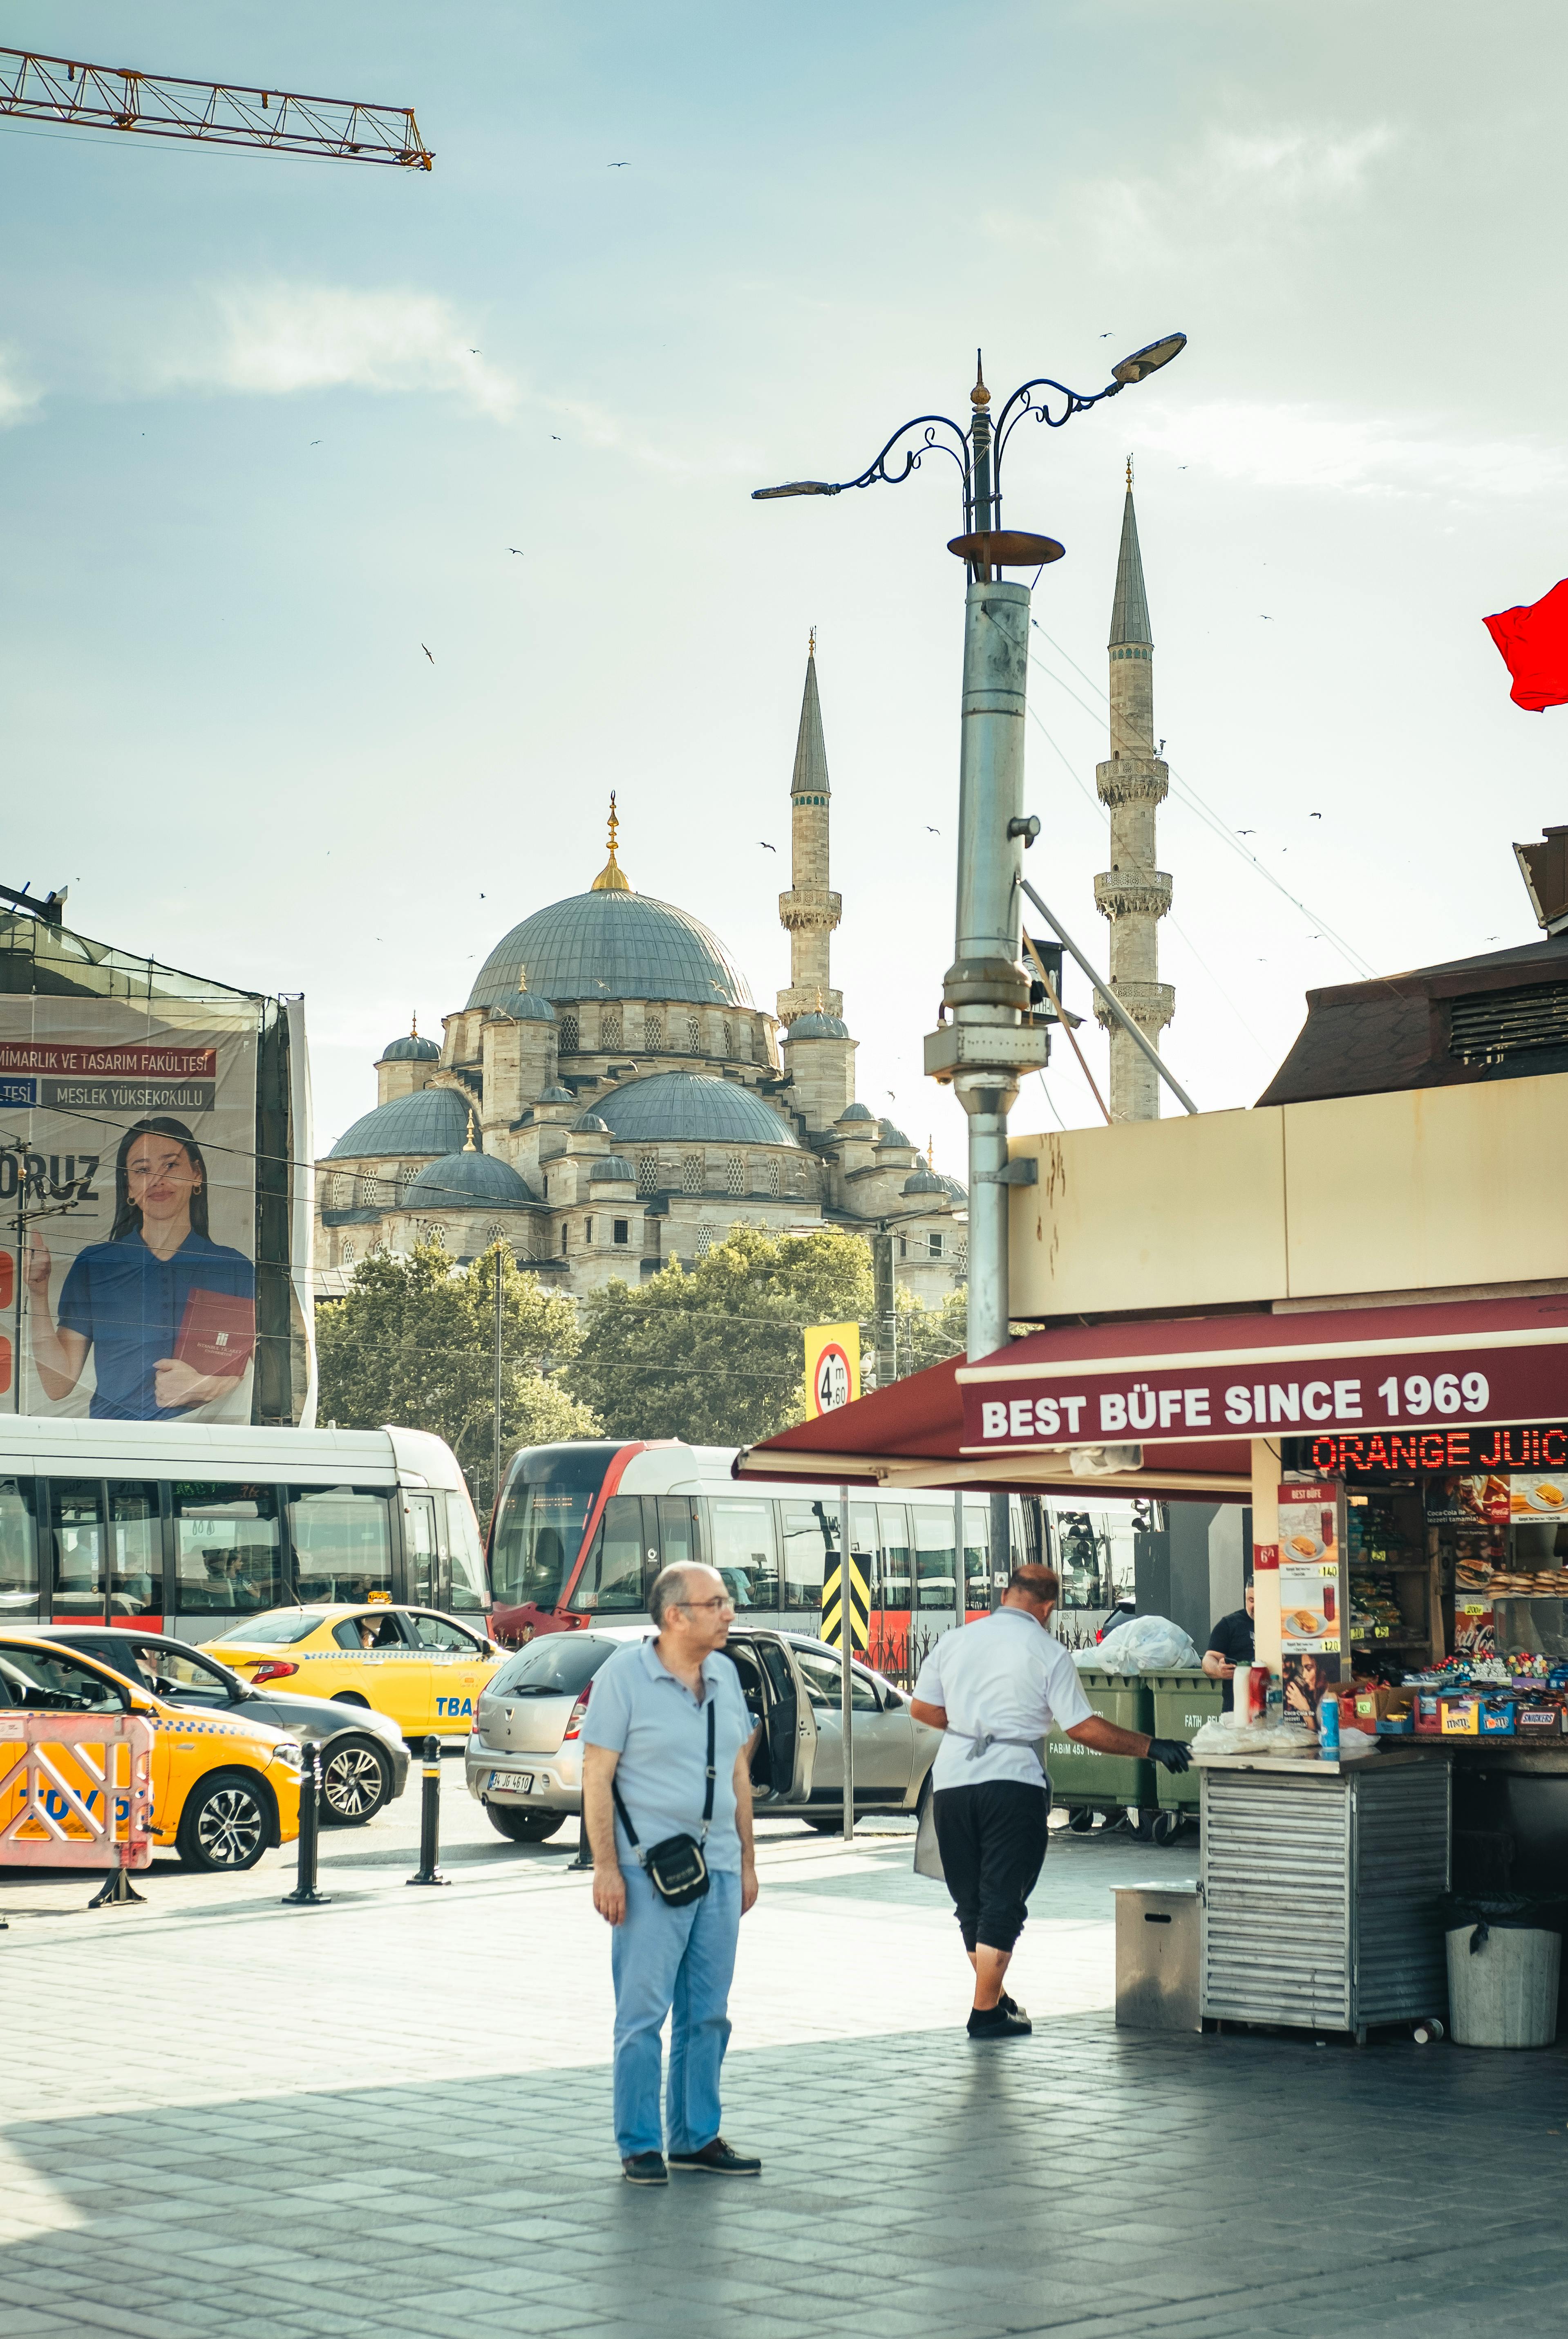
<point>997,1688</point>
<point>1230,1645</point>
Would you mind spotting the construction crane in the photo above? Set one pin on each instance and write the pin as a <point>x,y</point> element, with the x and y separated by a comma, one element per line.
<point>35,88</point>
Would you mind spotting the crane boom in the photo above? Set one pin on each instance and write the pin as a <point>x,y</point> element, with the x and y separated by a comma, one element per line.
<point>35,88</point>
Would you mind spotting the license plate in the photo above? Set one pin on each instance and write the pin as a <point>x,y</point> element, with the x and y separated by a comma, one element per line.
<point>514,1782</point>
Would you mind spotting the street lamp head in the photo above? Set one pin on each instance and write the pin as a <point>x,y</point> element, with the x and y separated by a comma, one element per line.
<point>793,487</point>
<point>1145,361</point>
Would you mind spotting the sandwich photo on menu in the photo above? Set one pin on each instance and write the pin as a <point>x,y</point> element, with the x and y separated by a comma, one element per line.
<point>217,1334</point>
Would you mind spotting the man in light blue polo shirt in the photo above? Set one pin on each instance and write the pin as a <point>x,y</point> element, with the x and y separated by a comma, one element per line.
<point>646,1736</point>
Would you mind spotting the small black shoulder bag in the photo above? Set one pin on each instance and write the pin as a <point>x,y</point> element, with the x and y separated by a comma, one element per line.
<point>677,1868</point>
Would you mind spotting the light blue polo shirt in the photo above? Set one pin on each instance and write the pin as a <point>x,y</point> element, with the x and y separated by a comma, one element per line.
<point>643,1713</point>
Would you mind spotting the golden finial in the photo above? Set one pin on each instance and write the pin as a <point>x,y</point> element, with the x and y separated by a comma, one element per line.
<point>414,1027</point>
<point>931,1153</point>
<point>811,645</point>
<point>610,879</point>
<point>978,395</point>
<point>470,1147</point>
<point>1129,475</point>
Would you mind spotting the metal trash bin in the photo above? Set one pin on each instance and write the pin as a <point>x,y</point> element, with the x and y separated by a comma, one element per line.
<point>1183,1700</point>
<point>1081,1780</point>
<point>1502,1989</point>
<point>1158,1961</point>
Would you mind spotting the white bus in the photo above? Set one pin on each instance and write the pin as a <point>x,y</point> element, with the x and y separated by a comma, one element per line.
<point>187,1527</point>
<point>582,1529</point>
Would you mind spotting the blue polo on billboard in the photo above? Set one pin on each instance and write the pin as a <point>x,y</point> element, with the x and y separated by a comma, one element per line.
<point>128,1204</point>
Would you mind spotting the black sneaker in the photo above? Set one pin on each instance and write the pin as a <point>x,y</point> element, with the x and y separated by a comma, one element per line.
<point>1000,2021</point>
<point>645,2168</point>
<point>716,2159</point>
<point>1011,2006</point>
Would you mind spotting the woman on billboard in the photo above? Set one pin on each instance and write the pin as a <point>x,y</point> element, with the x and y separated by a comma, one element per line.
<point>168,1314</point>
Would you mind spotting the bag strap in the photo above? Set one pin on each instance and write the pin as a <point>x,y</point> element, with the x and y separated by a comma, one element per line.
<point>707,1799</point>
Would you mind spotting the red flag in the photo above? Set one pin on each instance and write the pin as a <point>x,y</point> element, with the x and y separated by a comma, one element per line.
<point>1533,643</point>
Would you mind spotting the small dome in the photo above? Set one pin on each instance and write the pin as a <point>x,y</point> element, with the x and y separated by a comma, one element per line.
<point>526,1007</point>
<point>952,1188</point>
<point>924,1181</point>
<point>612,1167</point>
<point>431,1121</point>
<point>693,1106</point>
<point>893,1136</point>
<point>818,1027</point>
<point>591,1125</point>
<point>855,1112</point>
<point>557,1096</point>
<point>459,1181</point>
<point>410,1049</point>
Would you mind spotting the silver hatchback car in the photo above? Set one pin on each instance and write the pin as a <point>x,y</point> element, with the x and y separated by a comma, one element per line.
<point>525,1760</point>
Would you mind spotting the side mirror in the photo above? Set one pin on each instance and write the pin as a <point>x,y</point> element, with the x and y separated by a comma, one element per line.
<point>891,1698</point>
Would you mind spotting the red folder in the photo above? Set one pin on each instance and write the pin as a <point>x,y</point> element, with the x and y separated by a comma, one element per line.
<point>217,1333</point>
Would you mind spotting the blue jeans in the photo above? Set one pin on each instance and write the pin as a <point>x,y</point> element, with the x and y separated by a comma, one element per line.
<point>665,1958</point>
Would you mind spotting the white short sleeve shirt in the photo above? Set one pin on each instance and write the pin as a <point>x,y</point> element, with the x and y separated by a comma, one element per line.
<point>1006,1679</point>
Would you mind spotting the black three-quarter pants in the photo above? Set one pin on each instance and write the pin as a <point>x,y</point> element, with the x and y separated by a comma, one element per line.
<point>992,1839</point>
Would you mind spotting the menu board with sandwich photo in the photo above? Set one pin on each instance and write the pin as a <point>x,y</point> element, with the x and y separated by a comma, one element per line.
<point>1312,1592</point>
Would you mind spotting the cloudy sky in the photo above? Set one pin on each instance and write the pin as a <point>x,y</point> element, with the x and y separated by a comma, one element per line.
<point>269,425</point>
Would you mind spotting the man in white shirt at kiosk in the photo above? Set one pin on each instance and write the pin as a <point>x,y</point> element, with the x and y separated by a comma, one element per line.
<point>997,1688</point>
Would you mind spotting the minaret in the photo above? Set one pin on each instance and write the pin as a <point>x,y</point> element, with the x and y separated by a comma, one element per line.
<point>808,913</point>
<point>1133,893</point>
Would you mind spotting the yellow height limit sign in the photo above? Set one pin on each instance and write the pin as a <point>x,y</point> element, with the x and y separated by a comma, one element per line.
<point>832,1367</point>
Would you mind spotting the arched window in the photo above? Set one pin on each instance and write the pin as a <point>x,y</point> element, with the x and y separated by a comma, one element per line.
<point>347,1259</point>
<point>690,1173</point>
<point>729,1040</point>
<point>652,1028</point>
<point>647,1173</point>
<point>693,1036</point>
<point>734,1173</point>
<point>707,1237</point>
<point>610,1028</point>
<point>568,1031</point>
<point>774,1177</point>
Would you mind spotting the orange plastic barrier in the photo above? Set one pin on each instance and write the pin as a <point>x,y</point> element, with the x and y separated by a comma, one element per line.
<point>82,1786</point>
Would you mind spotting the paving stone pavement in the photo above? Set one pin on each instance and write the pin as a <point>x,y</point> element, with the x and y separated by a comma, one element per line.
<point>392,2115</point>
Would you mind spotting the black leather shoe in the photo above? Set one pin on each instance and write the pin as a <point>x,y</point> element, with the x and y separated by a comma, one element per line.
<point>716,2159</point>
<point>645,2168</point>
<point>1011,2006</point>
<point>1000,2022</point>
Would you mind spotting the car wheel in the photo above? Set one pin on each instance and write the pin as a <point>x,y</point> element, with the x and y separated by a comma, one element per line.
<point>356,1781</point>
<point>524,1827</point>
<point>350,1697</point>
<point>227,1823</point>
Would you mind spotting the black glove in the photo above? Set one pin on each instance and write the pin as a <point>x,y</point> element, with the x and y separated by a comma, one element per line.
<point>1175,1753</point>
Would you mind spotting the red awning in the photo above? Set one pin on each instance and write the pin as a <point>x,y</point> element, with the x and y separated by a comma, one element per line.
<point>1170,1406</point>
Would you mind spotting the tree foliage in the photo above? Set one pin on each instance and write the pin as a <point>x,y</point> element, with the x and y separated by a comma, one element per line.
<point>716,1355</point>
<point>413,1342</point>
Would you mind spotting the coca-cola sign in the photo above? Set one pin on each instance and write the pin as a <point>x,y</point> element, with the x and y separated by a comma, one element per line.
<point>1312,1396</point>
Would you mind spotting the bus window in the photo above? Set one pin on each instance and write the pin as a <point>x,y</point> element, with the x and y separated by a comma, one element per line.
<point>810,1532</point>
<point>135,1550</point>
<point>977,1555</point>
<point>420,1549</point>
<point>18,1548</point>
<point>612,1576</point>
<point>742,1550</point>
<point>468,1558</point>
<point>862,1544</point>
<point>342,1541</point>
<point>892,1584</point>
<point>226,1548</point>
<point>77,1504</point>
<point>539,1529</point>
<point>934,1585</point>
<point>680,1535</point>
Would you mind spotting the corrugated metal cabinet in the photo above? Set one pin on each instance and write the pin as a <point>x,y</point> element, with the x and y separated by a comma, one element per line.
<point>1319,1888</point>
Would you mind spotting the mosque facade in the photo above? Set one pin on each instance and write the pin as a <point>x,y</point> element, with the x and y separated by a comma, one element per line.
<point>611,1099</point>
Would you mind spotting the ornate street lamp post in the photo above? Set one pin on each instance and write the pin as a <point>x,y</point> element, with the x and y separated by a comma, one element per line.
<point>989,1044</point>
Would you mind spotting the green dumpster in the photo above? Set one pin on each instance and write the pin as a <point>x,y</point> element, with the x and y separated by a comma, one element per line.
<point>1184,1700</point>
<point>1081,1780</point>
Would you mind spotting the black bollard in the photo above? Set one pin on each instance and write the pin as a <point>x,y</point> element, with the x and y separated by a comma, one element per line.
<point>304,1894</point>
<point>431,1819</point>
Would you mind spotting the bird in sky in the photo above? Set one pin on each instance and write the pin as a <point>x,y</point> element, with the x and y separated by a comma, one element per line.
<point>931,831</point>
<point>557,437</point>
<point>1105,337</point>
<point>1267,618</point>
<point>1246,831</point>
<point>475,353</point>
<point>766,845</point>
<point>429,653</point>
<point>518,551</point>
<point>315,442</point>
<point>1181,466</point>
<point>1315,816</point>
<point>615,167</point>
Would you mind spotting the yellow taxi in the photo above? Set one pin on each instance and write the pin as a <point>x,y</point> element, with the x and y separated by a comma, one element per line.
<point>223,1789</point>
<point>424,1671</point>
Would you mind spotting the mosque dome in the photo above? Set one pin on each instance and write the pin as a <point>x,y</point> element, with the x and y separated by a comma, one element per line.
<point>612,1167</point>
<point>855,1112</point>
<point>431,1121</point>
<point>924,1181</point>
<point>591,1125</point>
<point>459,1181</point>
<point>819,1027</point>
<point>892,1135</point>
<point>410,1049</point>
<point>684,1106</point>
<point>527,1007</point>
<point>557,1095</point>
<point>611,945</point>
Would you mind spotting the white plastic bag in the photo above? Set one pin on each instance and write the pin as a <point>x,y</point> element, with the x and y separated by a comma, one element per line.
<point>1144,1644</point>
<point>1227,1733</point>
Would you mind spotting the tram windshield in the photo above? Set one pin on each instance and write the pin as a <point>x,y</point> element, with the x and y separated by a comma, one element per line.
<point>539,1527</point>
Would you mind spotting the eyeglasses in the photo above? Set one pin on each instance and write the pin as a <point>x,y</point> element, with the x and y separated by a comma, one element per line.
<point>725,1603</point>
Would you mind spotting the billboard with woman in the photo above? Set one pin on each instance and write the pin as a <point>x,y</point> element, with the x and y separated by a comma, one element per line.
<point>128,1207</point>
